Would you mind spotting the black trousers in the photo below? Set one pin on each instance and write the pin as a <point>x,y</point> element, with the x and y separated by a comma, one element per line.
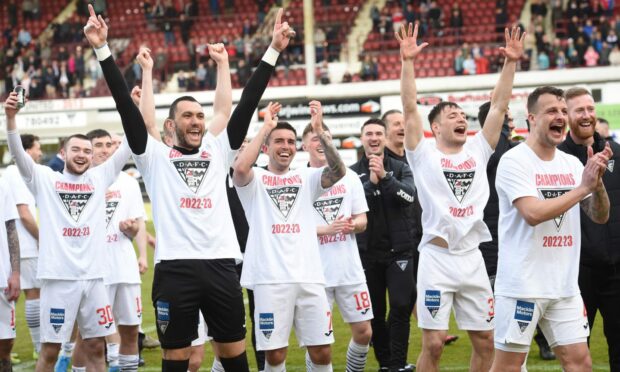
<point>600,290</point>
<point>390,338</point>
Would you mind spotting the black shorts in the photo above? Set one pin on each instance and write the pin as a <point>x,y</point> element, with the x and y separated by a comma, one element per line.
<point>182,288</point>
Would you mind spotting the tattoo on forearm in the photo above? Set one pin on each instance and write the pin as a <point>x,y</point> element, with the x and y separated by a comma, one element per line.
<point>335,166</point>
<point>597,205</point>
<point>13,240</point>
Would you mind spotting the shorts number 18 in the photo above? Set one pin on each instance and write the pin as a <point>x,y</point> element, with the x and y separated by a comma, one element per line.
<point>361,300</point>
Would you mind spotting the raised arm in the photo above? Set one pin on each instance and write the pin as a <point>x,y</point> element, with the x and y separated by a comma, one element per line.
<point>409,49</point>
<point>147,96</point>
<point>13,241</point>
<point>246,159</point>
<point>242,115</point>
<point>335,169</point>
<point>222,103</point>
<point>96,32</point>
<point>503,89</point>
<point>24,162</point>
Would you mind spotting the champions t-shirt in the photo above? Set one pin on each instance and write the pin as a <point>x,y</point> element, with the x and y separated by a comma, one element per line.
<point>28,245</point>
<point>72,214</point>
<point>8,212</point>
<point>453,190</point>
<point>539,261</point>
<point>339,254</point>
<point>282,244</point>
<point>123,202</point>
<point>188,195</point>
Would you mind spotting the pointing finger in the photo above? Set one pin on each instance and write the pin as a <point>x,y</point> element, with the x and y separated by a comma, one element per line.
<point>91,10</point>
<point>279,16</point>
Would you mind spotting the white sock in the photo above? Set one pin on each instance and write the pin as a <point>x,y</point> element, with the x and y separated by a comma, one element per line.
<point>278,368</point>
<point>78,369</point>
<point>67,349</point>
<point>112,356</point>
<point>33,310</point>
<point>356,357</point>
<point>308,362</point>
<point>217,366</point>
<point>128,363</point>
<point>321,367</point>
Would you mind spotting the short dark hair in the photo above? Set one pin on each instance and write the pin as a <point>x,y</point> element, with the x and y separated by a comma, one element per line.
<point>308,129</point>
<point>576,92</point>
<point>97,133</point>
<point>376,121</point>
<point>435,111</point>
<point>388,113</point>
<point>602,120</point>
<point>483,111</point>
<point>173,107</point>
<point>281,125</point>
<point>28,140</point>
<point>532,99</point>
<point>78,136</point>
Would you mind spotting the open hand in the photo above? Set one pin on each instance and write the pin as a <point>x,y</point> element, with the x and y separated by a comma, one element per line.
<point>408,40</point>
<point>514,44</point>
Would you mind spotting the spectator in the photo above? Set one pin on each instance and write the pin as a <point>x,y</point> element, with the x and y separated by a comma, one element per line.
<point>211,74</point>
<point>397,18</point>
<point>201,76</point>
<point>369,69</point>
<point>614,56</point>
<point>612,37</point>
<point>456,22</point>
<point>12,13</point>
<point>557,13</point>
<point>186,27</point>
<point>375,16</point>
<point>543,61</point>
<point>243,73</point>
<point>458,62</point>
<point>324,73</point>
<point>28,10</point>
<point>24,38</point>
<point>434,17</point>
<point>591,57</point>
<point>319,44</point>
<point>561,61</point>
<point>482,63</point>
<point>501,19</point>
<point>215,7</point>
<point>572,9</point>
<point>347,78</point>
<point>409,14</point>
<point>182,81</point>
<point>469,66</point>
<point>169,21</point>
<point>57,163</point>
<point>604,55</point>
<point>94,71</point>
<point>538,8</point>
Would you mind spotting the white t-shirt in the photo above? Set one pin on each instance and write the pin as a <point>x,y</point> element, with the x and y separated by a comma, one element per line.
<point>123,201</point>
<point>453,191</point>
<point>339,253</point>
<point>28,245</point>
<point>9,212</point>
<point>72,214</point>
<point>282,245</point>
<point>188,195</point>
<point>537,261</point>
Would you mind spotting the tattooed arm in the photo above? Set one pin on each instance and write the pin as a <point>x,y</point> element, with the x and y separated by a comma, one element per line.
<point>13,282</point>
<point>597,206</point>
<point>335,169</point>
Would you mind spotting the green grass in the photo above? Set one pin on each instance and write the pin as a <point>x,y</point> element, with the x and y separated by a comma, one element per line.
<point>455,357</point>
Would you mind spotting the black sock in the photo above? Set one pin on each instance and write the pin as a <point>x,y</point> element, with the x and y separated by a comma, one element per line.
<point>236,364</point>
<point>174,365</point>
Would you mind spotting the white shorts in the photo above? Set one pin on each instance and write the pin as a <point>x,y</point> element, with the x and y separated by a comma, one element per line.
<point>7,317</point>
<point>126,303</point>
<point>279,307</point>
<point>63,302</point>
<point>203,332</point>
<point>28,273</point>
<point>563,322</point>
<point>353,302</point>
<point>446,280</point>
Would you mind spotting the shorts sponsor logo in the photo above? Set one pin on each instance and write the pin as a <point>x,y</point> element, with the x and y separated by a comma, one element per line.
<point>610,166</point>
<point>192,172</point>
<point>163,315</point>
<point>459,182</point>
<point>554,193</point>
<point>57,318</point>
<point>524,313</point>
<point>266,324</point>
<point>402,264</point>
<point>110,208</point>
<point>283,198</point>
<point>74,203</point>
<point>432,301</point>
<point>328,208</point>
